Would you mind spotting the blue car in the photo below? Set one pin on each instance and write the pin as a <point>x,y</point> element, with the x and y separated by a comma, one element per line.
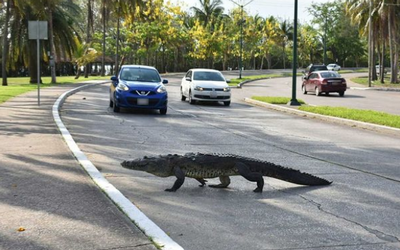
<point>139,87</point>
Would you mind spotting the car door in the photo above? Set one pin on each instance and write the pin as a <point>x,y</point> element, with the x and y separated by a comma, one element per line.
<point>186,81</point>
<point>309,82</point>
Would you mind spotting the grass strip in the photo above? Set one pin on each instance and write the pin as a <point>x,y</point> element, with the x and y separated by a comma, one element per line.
<point>370,116</point>
<point>20,85</point>
<point>275,100</point>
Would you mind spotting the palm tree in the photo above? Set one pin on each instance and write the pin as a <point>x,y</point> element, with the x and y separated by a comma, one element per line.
<point>209,11</point>
<point>285,33</point>
<point>23,51</point>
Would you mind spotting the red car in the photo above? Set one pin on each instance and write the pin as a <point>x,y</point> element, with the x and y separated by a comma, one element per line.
<point>324,82</point>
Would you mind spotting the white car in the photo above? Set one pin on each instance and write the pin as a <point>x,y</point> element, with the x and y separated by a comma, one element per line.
<point>205,85</point>
<point>333,66</point>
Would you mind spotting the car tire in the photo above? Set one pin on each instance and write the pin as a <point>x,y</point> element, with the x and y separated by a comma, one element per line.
<point>163,111</point>
<point>317,92</point>
<point>341,93</point>
<point>191,101</point>
<point>227,103</point>
<point>111,103</point>
<point>115,106</point>
<point>303,89</point>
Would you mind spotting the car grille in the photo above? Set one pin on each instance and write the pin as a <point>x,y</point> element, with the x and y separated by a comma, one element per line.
<point>211,98</point>
<point>142,92</point>
<point>211,89</point>
<point>152,101</point>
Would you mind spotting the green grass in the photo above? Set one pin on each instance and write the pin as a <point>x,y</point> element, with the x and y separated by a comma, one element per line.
<point>275,100</point>
<point>364,81</point>
<point>20,85</point>
<point>369,116</point>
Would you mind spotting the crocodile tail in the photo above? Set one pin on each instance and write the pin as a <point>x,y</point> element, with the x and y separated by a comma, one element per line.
<point>294,176</point>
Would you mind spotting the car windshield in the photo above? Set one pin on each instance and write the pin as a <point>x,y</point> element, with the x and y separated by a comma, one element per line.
<point>207,76</point>
<point>329,74</point>
<point>140,75</point>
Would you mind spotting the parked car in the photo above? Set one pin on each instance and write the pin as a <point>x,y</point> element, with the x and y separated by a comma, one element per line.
<point>313,67</point>
<point>333,66</point>
<point>324,82</point>
<point>205,85</point>
<point>138,86</point>
<point>378,69</point>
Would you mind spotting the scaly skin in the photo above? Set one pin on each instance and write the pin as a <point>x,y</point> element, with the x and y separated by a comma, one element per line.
<point>202,166</point>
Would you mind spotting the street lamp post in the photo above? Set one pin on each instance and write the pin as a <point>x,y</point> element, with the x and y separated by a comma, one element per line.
<point>241,35</point>
<point>293,101</point>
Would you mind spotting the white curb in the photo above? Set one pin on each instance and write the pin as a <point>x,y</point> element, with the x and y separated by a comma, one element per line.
<point>139,218</point>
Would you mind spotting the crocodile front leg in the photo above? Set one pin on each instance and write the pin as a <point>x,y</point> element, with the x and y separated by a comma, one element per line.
<point>251,176</point>
<point>180,179</point>
<point>225,181</point>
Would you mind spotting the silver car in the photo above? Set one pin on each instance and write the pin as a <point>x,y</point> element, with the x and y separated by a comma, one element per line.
<point>206,85</point>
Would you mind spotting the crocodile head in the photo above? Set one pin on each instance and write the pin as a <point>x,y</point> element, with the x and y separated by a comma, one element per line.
<point>158,166</point>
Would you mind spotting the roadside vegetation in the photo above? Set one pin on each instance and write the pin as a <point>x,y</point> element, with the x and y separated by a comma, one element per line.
<point>364,81</point>
<point>20,85</point>
<point>369,116</point>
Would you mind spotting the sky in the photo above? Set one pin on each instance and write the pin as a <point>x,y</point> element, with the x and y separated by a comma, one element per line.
<point>279,8</point>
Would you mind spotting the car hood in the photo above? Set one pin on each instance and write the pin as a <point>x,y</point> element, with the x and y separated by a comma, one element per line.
<point>135,85</point>
<point>210,84</point>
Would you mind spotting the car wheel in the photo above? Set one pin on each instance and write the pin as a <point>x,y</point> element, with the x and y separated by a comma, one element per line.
<point>191,101</point>
<point>115,106</point>
<point>317,92</point>
<point>227,103</point>
<point>183,98</point>
<point>111,103</point>
<point>163,111</point>
<point>303,89</point>
<point>341,93</point>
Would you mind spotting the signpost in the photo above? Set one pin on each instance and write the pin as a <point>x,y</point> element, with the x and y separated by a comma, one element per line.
<point>38,30</point>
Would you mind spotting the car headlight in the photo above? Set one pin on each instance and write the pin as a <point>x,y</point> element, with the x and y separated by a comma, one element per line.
<point>198,88</point>
<point>122,87</point>
<point>227,89</point>
<point>162,89</point>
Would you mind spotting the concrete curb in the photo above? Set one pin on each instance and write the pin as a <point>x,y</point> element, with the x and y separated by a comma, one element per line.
<point>338,120</point>
<point>140,219</point>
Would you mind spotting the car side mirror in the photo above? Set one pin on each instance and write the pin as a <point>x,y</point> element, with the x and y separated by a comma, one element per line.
<point>228,81</point>
<point>114,80</point>
<point>164,81</point>
<point>188,79</point>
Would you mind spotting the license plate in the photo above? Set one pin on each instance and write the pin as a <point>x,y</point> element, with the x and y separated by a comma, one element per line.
<point>213,95</point>
<point>142,101</point>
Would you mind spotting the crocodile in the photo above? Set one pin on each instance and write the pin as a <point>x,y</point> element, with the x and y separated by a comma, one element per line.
<point>201,166</point>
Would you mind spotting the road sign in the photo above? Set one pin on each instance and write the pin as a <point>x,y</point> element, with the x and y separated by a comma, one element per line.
<point>37,30</point>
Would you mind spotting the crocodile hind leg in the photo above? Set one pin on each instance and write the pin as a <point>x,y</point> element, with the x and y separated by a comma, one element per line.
<point>202,181</point>
<point>225,181</point>
<point>180,179</point>
<point>251,176</point>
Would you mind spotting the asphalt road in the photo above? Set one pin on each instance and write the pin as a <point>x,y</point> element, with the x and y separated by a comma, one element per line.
<point>360,210</point>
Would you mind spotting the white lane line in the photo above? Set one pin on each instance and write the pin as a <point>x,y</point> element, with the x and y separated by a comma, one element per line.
<point>139,218</point>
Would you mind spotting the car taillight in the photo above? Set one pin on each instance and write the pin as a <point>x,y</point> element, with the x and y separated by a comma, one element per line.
<point>344,82</point>
<point>324,82</point>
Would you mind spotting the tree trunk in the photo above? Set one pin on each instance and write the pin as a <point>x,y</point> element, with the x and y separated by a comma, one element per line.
<point>103,73</point>
<point>5,46</point>
<point>52,54</point>
<point>393,47</point>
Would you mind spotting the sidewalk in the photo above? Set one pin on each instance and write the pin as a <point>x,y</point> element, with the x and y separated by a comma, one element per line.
<point>47,201</point>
